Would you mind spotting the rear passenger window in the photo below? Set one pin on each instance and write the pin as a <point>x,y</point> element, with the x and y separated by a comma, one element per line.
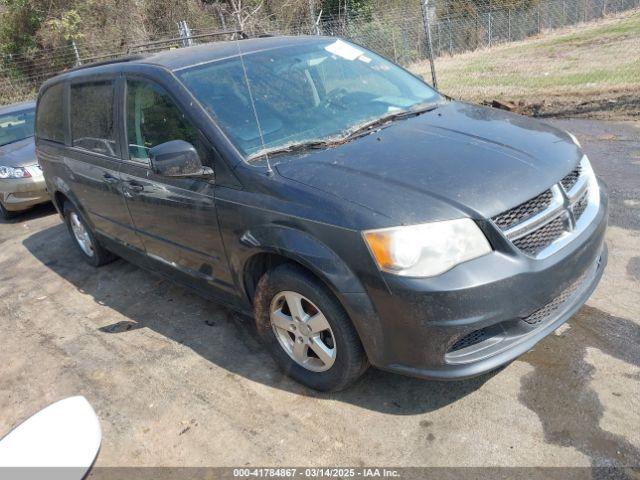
<point>92,118</point>
<point>49,120</point>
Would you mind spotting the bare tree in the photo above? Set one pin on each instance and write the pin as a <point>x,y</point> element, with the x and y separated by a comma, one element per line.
<point>243,12</point>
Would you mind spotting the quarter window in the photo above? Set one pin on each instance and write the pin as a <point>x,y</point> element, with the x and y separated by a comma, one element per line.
<point>152,119</point>
<point>92,117</point>
<point>49,120</point>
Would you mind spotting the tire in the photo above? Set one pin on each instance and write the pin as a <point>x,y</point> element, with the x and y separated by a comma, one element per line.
<point>348,361</point>
<point>6,214</point>
<point>90,249</point>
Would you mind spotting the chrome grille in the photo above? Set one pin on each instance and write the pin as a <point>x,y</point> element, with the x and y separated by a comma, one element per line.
<point>541,238</point>
<point>570,180</point>
<point>581,205</point>
<point>537,224</point>
<point>523,211</point>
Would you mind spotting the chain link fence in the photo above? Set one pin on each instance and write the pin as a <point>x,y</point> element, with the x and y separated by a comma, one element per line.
<point>489,27</point>
<point>544,50</point>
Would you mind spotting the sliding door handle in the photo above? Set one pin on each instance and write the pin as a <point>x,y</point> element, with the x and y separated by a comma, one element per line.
<point>108,178</point>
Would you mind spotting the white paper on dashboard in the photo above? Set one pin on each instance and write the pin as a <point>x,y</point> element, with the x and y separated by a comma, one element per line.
<point>343,50</point>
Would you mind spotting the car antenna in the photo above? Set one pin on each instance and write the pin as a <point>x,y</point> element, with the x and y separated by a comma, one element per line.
<point>255,110</point>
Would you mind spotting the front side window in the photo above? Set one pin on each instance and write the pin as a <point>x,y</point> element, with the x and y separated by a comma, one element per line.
<point>49,121</point>
<point>152,119</point>
<point>92,118</point>
<point>312,92</point>
<point>16,126</point>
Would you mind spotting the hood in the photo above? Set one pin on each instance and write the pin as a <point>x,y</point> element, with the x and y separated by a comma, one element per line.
<point>457,160</point>
<point>19,154</point>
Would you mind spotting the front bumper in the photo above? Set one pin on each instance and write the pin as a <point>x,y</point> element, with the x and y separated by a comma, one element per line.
<point>485,313</point>
<point>18,194</point>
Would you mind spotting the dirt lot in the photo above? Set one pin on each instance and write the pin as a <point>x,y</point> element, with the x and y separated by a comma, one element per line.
<point>177,380</point>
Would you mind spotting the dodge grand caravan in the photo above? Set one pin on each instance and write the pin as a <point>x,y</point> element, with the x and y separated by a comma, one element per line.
<point>358,215</point>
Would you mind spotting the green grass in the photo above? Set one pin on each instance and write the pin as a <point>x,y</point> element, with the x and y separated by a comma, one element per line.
<point>623,28</point>
<point>592,59</point>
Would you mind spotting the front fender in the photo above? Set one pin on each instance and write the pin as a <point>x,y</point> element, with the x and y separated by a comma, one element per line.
<point>301,247</point>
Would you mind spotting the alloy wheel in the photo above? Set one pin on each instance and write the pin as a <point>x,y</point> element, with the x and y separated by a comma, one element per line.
<point>303,331</point>
<point>81,235</point>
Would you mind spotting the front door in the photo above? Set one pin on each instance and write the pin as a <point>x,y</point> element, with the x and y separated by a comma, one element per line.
<point>94,159</point>
<point>175,217</point>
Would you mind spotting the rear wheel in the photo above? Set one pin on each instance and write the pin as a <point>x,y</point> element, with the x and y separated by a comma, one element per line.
<point>307,330</point>
<point>90,249</point>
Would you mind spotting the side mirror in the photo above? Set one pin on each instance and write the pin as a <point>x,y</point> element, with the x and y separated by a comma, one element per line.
<point>177,158</point>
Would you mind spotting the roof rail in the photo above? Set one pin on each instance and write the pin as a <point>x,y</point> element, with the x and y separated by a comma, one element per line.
<point>165,43</point>
<point>148,48</point>
<point>123,59</point>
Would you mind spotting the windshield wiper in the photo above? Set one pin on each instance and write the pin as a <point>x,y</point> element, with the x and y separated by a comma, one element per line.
<point>361,130</point>
<point>375,125</point>
<point>291,148</point>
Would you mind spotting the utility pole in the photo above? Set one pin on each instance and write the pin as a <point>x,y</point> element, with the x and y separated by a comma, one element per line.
<point>76,53</point>
<point>427,28</point>
<point>185,33</point>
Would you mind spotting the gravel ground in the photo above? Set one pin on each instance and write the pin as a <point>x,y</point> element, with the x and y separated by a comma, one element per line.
<point>179,381</point>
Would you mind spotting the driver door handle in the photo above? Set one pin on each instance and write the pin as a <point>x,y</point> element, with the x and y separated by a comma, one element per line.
<point>135,187</point>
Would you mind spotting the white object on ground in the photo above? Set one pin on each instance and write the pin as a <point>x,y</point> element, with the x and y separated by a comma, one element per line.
<point>64,434</point>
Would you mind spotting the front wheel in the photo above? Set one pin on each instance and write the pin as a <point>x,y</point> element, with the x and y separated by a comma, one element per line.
<point>307,330</point>
<point>6,214</point>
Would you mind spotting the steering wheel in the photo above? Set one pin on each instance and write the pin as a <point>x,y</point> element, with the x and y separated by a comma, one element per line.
<point>334,98</point>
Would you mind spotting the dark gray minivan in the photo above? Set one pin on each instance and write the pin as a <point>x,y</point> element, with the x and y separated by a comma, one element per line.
<point>360,216</point>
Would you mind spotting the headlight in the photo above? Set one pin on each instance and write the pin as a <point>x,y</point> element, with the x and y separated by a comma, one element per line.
<point>575,140</point>
<point>428,249</point>
<point>13,172</point>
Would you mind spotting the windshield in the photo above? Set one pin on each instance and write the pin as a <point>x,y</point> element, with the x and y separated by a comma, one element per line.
<point>307,93</point>
<point>16,126</point>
